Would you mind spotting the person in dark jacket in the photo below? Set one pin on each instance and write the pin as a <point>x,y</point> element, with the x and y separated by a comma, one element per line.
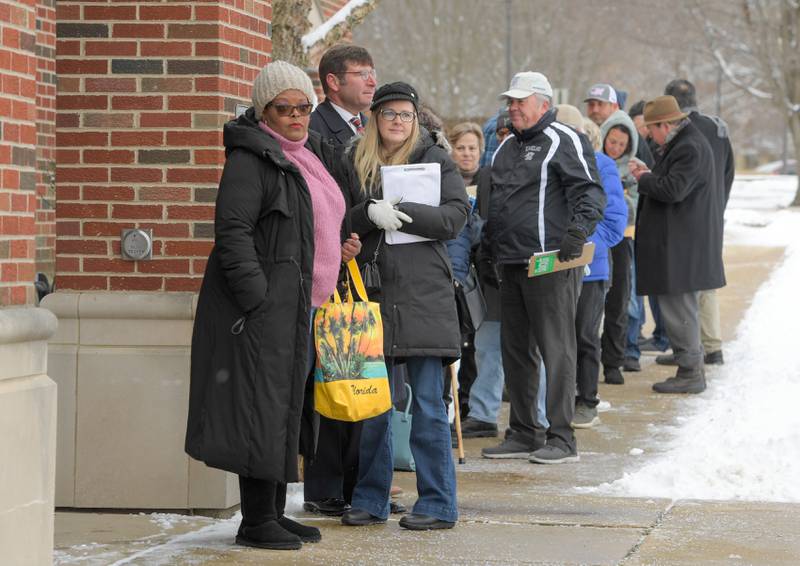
<point>589,313</point>
<point>348,80</point>
<point>347,75</point>
<point>420,323</point>
<point>486,393</point>
<point>677,252</point>
<point>545,196</point>
<point>716,133</point>
<point>601,102</point>
<point>466,142</point>
<point>276,256</point>
<point>619,142</point>
<point>636,343</point>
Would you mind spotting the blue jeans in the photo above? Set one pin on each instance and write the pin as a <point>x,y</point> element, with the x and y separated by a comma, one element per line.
<point>636,317</point>
<point>541,397</point>
<point>486,392</point>
<point>430,445</point>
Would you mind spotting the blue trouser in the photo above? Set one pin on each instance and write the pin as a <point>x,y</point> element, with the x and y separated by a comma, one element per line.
<point>486,392</point>
<point>636,316</point>
<point>430,446</point>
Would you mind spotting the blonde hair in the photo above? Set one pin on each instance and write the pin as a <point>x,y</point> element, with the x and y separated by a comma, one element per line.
<point>467,128</point>
<point>592,131</point>
<point>370,154</point>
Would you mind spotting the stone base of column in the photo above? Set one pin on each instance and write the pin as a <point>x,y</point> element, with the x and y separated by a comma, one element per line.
<point>27,437</point>
<point>121,361</point>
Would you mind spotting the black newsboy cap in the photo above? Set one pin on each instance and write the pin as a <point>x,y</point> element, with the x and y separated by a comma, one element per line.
<point>395,91</point>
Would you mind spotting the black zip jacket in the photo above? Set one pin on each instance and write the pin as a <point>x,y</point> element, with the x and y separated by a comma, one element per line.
<point>544,182</point>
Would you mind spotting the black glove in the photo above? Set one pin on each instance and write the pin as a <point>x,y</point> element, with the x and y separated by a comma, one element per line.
<point>487,273</point>
<point>572,245</point>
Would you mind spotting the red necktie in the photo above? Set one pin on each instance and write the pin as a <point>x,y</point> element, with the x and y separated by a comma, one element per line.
<point>356,121</point>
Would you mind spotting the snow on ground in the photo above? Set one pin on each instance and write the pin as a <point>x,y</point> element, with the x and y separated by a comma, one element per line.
<point>741,438</point>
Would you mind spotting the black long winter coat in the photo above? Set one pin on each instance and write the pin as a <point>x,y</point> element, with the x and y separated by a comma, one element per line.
<point>250,340</point>
<point>417,299</point>
<point>678,249</point>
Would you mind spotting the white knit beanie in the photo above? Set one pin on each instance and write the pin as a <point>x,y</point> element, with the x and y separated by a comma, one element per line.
<point>276,77</point>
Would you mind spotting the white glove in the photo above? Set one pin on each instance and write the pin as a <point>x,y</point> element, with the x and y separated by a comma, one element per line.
<point>385,216</point>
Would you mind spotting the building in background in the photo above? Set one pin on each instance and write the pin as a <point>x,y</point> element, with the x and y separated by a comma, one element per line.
<point>111,116</point>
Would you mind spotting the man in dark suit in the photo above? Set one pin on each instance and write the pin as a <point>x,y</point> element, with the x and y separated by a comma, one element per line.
<point>348,80</point>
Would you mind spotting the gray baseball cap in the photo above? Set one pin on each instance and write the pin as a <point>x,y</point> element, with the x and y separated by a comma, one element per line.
<point>603,92</point>
<point>527,83</point>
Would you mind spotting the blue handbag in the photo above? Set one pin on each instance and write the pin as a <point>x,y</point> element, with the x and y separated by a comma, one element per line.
<point>401,436</point>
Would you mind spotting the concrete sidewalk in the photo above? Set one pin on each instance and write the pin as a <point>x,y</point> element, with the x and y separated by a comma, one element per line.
<point>512,512</point>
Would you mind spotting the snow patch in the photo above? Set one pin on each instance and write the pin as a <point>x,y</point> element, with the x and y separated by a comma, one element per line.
<point>741,438</point>
<point>636,452</point>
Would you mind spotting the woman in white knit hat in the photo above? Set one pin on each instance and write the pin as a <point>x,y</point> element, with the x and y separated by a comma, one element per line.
<point>279,241</point>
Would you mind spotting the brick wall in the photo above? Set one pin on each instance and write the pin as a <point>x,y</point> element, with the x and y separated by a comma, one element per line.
<point>18,152</point>
<point>143,92</point>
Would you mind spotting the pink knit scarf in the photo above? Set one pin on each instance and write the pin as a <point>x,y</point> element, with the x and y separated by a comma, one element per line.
<point>328,208</point>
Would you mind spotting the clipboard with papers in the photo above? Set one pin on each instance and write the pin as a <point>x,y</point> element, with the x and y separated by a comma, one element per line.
<point>420,183</point>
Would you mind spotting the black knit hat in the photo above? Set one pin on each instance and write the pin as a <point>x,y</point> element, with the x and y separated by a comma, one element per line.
<point>395,91</point>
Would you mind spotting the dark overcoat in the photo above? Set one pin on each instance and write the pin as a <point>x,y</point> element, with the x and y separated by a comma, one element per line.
<point>251,331</point>
<point>417,298</point>
<point>678,249</point>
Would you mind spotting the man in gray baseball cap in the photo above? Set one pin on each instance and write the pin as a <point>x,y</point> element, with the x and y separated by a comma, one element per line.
<point>545,196</point>
<point>601,102</point>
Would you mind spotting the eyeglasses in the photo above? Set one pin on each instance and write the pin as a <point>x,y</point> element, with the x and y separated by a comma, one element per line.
<point>288,109</point>
<point>389,115</point>
<point>365,75</point>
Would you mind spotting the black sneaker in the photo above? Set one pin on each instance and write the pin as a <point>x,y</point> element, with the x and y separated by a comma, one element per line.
<point>650,345</point>
<point>666,360</point>
<point>473,428</point>
<point>329,507</point>
<point>613,376</point>
<point>631,364</point>
<point>360,518</point>
<point>420,522</point>
<point>552,454</point>
<point>509,448</point>
<point>714,358</point>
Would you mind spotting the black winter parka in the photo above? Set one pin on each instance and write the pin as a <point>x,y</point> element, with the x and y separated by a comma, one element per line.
<point>251,330</point>
<point>417,297</point>
<point>678,247</point>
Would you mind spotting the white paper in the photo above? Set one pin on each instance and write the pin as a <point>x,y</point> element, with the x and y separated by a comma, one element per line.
<point>420,183</point>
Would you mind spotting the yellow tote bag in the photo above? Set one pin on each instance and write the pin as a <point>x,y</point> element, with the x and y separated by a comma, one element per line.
<point>350,380</point>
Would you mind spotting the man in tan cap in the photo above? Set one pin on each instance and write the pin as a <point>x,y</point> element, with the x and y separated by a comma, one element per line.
<point>676,253</point>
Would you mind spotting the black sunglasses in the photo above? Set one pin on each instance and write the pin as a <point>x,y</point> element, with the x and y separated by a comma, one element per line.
<point>288,109</point>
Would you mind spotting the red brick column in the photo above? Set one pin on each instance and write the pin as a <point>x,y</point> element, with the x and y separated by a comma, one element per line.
<point>18,65</point>
<point>143,92</point>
